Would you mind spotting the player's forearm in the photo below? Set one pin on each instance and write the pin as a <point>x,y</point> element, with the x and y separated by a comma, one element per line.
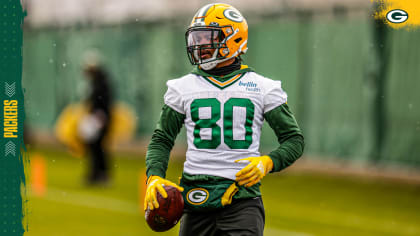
<point>288,152</point>
<point>289,136</point>
<point>157,155</point>
<point>163,139</point>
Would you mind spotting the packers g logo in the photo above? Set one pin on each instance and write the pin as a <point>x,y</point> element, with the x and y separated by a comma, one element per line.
<point>233,15</point>
<point>197,196</point>
<point>397,16</point>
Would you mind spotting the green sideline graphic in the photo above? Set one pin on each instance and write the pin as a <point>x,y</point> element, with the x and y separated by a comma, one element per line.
<point>12,177</point>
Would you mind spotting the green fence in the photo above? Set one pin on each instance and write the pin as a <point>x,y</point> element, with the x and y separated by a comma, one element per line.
<point>327,66</point>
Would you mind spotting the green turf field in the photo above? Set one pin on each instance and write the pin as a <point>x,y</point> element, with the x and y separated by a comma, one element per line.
<point>296,203</point>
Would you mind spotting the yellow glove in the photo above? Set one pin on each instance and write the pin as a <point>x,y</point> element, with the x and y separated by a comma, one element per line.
<point>155,183</point>
<point>228,195</point>
<point>257,168</point>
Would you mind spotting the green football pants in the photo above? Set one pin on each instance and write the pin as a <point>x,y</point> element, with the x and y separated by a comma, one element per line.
<point>245,217</point>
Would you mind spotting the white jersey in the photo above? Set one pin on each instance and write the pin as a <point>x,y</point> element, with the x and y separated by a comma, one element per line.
<point>223,120</point>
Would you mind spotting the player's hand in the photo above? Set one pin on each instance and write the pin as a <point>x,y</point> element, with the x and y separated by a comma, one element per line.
<point>154,185</point>
<point>257,168</point>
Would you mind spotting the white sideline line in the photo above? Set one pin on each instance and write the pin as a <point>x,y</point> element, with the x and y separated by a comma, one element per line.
<point>91,201</point>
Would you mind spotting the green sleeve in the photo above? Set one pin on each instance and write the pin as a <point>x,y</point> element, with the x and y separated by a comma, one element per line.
<point>289,136</point>
<point>163,139</point>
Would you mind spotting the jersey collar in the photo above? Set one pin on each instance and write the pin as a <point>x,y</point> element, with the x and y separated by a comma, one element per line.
<point>223,81</point>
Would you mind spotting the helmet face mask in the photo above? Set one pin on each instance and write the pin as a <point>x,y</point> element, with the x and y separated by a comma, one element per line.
<point>217,33</point>
<point>206,44</point>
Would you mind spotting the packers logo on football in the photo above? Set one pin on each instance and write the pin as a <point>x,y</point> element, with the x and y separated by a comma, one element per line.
<point>197,196</point>
<point>233,15</point>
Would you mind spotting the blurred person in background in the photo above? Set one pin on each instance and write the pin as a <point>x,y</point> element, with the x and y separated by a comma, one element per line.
<point>94,126</point>
<point>223,105</point>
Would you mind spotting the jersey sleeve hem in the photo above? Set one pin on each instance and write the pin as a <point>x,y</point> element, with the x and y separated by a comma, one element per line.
<point>271,107</point>
<point>175,108</point>
<point>173,97</point>
<point>275,96</point>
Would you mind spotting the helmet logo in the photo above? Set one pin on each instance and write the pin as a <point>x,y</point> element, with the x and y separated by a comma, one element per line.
<point>397,16</point>
<point>233,15</point>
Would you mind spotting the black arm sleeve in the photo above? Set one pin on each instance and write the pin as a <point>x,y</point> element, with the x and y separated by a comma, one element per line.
<point>163,139</point>
<point>289,136</point>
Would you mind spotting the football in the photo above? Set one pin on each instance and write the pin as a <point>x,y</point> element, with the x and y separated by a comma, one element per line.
<point>169,212</point>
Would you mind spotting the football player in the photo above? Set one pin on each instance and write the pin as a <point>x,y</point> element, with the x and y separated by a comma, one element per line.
<point>223,105</point>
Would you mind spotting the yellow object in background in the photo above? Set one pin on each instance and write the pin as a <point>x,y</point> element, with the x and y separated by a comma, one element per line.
<point>66,128</point>
<point>123,124</point>
<point>122,128</point>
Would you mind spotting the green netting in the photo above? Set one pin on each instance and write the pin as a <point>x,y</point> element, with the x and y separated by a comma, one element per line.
<point>402,143</point>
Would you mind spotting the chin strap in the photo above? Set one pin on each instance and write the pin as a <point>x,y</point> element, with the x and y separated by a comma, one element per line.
<point>209,65</point>
<point>236,65</point>
<point>212,64</point>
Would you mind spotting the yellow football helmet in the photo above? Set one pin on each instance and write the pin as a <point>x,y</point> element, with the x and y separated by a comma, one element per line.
<point>218,32</point>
